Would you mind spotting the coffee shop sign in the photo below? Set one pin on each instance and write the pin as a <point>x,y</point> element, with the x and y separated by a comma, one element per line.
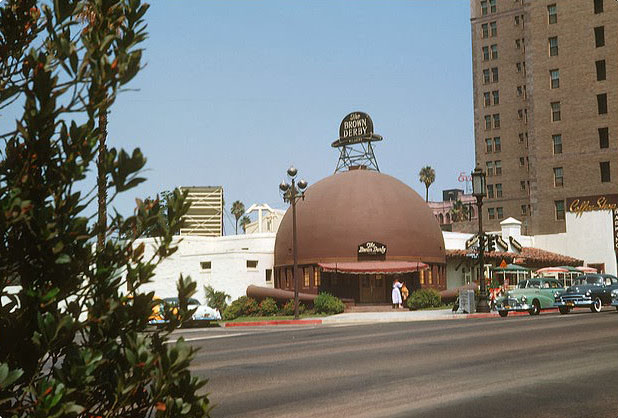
<point>372,248</point>
<point>580,205</point>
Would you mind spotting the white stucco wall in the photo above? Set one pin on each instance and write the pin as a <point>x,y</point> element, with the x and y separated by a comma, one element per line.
<point>228,256</point>
<point>589,237</point>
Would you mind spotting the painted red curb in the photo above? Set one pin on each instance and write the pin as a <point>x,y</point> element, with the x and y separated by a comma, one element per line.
<point>281,322</point>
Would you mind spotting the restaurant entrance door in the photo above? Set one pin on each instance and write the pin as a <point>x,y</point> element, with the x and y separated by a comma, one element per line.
<point>373,288</point>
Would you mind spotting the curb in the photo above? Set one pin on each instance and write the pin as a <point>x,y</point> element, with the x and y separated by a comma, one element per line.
<point>270,323</point>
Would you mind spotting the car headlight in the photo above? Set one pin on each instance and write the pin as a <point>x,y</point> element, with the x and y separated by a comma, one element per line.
<point>588,292</point>
<point>556,294</point>
<point>524,299</point>
<point>615,293</point>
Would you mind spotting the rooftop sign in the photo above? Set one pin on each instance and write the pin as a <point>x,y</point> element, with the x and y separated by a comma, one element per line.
<point>355,128</point>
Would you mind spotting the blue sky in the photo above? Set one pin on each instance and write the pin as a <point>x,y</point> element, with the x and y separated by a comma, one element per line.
<point>235,91</point>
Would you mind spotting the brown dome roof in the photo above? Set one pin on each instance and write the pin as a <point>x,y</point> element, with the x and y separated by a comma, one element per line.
<point>347,209</point>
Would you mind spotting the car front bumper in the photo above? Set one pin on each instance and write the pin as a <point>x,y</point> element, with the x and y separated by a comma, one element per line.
<point>615,302</point>
<point>513,306</point>
<point>574,302</point>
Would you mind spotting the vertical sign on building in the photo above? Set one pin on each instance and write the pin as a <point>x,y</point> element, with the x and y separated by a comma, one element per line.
<point>615,218</point>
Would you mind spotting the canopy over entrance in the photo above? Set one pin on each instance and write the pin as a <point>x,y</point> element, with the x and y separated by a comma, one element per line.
<point>374,267</point>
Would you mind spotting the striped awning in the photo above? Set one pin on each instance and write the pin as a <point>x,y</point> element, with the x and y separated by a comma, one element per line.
<point>374,267</point>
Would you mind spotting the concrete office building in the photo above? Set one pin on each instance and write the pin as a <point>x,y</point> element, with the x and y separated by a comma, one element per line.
<point>545,77</point>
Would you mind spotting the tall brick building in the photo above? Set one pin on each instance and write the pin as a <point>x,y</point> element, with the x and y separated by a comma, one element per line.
<point>545,106</point>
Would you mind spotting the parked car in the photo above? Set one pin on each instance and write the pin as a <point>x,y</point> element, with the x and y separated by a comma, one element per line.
<point>530,296</point>
<point>202,315</point>
<point>590,290</point>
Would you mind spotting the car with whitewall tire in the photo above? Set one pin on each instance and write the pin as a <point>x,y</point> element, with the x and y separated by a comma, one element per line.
<point>591,291</point>
<point>530,296</point>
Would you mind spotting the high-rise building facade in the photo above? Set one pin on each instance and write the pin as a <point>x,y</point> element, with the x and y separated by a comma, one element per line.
<point>545,106</point>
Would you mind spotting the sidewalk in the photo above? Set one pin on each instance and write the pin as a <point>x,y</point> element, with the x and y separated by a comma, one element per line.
<point>374,317</point>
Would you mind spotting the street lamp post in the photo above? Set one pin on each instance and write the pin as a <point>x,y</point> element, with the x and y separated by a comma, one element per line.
<point>292,193</point>
<point>479,191</point>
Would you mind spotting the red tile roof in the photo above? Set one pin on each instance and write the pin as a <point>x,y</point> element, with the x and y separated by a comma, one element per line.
<point>529,257</point>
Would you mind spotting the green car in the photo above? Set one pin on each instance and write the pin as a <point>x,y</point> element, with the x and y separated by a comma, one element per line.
<point>531,296</point>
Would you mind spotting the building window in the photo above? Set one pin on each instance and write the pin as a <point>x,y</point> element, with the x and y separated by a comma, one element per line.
<point>523,210</point>
<point>269,275</point>
<point>499,190</point>
<point>489,168</point>
<point>488,145</point>
<point>306,276</point>
<point>494,74</point>
<point>490,191</point>
<point>498,165</point>
<point>497,120</point>
<point>518,67</point>
<point>517,44</point>
<point>317,278</point>
<point>600,70</point>
<point>520,114</point>
<point>487,121</point>
<point>500,212</point>
<point>555,111</point>
<point>521,137</point>
<point>522,161</point>
<point>483,8</point>
<point>559,205</point>
<point>486,99</point>
<point>494,28</point>
<point>604,137</point>
<point>553,46</point>
<point>484,30</point>
<point>485,50</point>
<point>599,36</point>
<point>252,264</point>
<point>206,265</point>
<point>486,76</point>
<point>558,179</point>
<point>598,6</point>
<point>552,14</point>
<point>522,185</point>
<point>497,144</point>
<point>602,103</point>
<point>494,52</point>
<point>491,213</point>
<point>557,140</point>
<point>554,76</point>
<point>605,176</point>
<point>496,96</point>
<point>492,6</point>
<point>520,91</point>
<point>517,20</point>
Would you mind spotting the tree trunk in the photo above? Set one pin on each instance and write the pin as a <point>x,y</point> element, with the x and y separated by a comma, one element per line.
<point>102,180</point>
<point>426,193</point>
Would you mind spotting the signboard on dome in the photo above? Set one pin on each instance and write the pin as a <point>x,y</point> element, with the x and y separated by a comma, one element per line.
<point>372,248</point>
<point>355,128</point>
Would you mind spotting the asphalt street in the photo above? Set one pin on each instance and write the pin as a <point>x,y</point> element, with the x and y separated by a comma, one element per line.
<point>544,366</point>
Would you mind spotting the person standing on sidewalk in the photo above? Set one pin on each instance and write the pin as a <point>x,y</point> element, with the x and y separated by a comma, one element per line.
<point>396,294</point>
<point>404,292</point>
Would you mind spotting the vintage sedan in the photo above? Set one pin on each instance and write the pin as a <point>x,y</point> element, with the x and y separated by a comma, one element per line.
<point>530,296</point>
<point>590,290</point>
<point>203,313</point>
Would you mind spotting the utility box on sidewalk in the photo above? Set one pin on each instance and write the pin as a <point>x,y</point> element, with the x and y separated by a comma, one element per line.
<point>467,302</point>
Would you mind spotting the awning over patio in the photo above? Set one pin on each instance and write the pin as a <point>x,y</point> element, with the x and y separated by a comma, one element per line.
<point>373,267</point>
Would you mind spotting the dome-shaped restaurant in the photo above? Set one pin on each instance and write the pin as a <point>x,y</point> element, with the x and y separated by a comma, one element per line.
<point>358,231</point>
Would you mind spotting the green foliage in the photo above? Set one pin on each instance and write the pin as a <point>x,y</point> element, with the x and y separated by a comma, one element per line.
<point>328,304</point>
<point>288,308</point>
<point>427,176</point>
<point>238,210</point>
<point>268,307</point>
<point>216,299</point>
<point>77,344</point>
<point>424,298</point>
<point>243,306</point>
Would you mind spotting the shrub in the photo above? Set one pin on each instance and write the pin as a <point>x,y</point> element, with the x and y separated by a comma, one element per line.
<point>243,306</point>
<point>328,304</point>
<point>288,308</point>
<point>268,307</point>
<point>424,298</point>
<point>216,299</point>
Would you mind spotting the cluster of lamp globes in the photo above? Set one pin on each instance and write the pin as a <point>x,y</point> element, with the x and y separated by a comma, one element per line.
<point>293,189</point>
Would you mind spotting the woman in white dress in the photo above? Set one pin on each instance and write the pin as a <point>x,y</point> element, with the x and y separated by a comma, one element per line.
<point>396,294</point>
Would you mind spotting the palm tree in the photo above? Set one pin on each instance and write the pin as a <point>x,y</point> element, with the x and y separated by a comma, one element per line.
<point>427,175</point>
<point>238,210</point>
<point>244,221</point>
<point>459,212</point>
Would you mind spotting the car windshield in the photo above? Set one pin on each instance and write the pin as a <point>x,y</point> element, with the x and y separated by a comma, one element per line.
<point>597,281</point>
<point>174,301</point>
<point>522,285</point>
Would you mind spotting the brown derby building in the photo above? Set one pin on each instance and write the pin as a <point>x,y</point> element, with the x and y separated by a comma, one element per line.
<point>361,208</point>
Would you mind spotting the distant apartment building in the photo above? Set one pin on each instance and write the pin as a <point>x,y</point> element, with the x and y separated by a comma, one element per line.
<point>444,213</point>
<point>545,77</point>
<point>205,215</point>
